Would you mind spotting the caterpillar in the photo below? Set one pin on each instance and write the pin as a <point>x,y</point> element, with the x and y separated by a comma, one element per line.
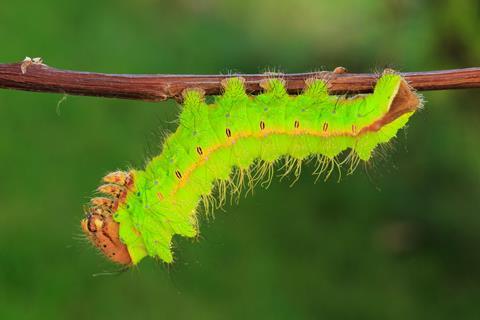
<point>234,142</point>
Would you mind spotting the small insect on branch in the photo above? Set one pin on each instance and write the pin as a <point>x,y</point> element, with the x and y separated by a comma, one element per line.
<point>34,75</point>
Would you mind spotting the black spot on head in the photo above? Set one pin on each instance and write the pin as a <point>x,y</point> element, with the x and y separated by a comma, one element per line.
<point>91,226</point>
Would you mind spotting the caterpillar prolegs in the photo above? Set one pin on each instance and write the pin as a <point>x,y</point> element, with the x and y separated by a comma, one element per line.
<point>232,141</point>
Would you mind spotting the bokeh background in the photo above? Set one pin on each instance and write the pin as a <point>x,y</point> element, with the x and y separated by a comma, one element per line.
<point>398,240</point>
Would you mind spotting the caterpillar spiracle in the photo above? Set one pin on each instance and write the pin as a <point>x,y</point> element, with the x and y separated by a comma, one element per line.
<point>237,139</point>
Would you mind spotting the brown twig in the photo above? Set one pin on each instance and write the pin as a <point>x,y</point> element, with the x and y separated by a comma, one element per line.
<point>32,75</point>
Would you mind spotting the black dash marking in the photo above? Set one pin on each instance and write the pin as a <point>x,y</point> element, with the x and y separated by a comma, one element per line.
<point>296,125</point>
<point>178,174</point>
<point>262,125</point>
<point>199,150</point>
<point>325,126</point>
<point>228,132</point>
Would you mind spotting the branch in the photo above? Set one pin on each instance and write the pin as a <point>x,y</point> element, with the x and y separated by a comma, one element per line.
<point>33,75</point>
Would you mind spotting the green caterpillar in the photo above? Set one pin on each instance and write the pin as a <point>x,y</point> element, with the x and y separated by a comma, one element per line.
<point>236,139</point>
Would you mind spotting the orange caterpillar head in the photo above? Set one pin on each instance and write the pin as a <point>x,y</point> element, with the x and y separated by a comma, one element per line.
<point>103,233</point>
<point>99,225</point>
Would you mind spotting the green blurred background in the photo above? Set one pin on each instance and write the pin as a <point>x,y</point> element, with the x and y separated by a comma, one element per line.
<point>398,240</point>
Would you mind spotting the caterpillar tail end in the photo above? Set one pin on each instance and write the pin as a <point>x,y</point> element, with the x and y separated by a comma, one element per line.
<point>100,227</point>
<point>404,101</point>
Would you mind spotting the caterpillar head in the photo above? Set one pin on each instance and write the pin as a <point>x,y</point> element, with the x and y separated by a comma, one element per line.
<point>100,227</point>
<point>103,233</point>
